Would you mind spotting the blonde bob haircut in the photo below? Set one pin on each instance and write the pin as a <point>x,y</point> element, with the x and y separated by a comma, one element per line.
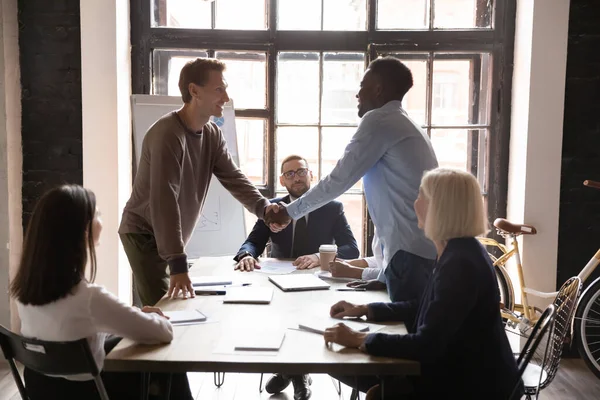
<point>455,205</point>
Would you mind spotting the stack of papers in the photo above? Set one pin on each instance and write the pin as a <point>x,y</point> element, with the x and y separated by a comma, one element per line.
<point>211,281</point>
<point>185,317</point>
<point>249,295</point>
<point>319,325</point>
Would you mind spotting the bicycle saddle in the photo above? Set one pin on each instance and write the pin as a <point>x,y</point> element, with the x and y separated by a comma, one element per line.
<point>516,229</point>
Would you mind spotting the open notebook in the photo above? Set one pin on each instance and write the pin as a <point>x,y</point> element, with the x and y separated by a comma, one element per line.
<point>185,317</point>
<point>318,325</point>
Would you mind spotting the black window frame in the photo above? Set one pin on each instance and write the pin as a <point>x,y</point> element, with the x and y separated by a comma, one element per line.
<point>496,40</point>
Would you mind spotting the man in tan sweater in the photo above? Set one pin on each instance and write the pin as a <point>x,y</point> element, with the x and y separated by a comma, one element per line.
<point>180,153</point>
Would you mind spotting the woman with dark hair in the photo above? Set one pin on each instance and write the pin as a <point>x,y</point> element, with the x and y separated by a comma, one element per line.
<point>57,303</point>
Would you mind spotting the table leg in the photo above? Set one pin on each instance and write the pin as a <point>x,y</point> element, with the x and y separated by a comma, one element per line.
<point>145,383</point>
<point>218,379</point>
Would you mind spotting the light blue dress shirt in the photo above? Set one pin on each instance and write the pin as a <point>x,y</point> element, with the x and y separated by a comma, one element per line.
<point>391,153</point>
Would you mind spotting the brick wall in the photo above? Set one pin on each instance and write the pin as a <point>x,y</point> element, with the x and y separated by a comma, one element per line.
<point>50,58</point>
<point>579,226</point>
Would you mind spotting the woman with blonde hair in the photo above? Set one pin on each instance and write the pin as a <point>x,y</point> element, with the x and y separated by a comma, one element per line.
<point>455,330</point>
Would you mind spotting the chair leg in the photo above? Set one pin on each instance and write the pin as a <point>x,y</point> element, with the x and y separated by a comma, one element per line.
<point>260,388</point>
<point>168,390</point>
<point>100,387</point>
<point>338,386</point>
<point>145,383</point>
<point>354,394</point>
<point>218,378</point>
<point>17,377</point>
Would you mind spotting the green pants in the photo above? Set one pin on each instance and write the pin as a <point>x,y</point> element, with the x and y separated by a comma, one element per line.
<point>149,269</point>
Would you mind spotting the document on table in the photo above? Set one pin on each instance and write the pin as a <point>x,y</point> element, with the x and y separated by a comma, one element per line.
<point>276,267</point>
<point>319,325</point>
<point>185,317</point>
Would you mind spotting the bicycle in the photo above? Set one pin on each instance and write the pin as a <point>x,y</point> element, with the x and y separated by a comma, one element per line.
<point>586,323</point>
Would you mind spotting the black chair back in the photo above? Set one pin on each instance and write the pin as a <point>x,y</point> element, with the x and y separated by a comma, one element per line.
<point>533,341</point>
<point>49,358</point>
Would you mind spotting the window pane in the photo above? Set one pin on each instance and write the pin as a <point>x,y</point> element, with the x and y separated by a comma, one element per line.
<point>342,73</point>
<point>298,88</point>
<point>303,141</point>
<point>415,101</point>
<point>463,149</point>
<point>167,66</point>
<point>409,14</point>
<point>251,148</point>
<point>302,15</point>
<point>246,75</point>
<point>334,141</point>
<point>194,14</point>
<point>463,13</point>
<point>354,209</point>
<point>344,15</point>
<point>241,14</point>
<point>452,92</point>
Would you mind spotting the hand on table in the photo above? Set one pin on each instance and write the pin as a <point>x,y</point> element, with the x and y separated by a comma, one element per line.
<point>180,283</point>
<point>342,335</point>
<point>343,309</point>
<point>342,269</point>
<point>247,263</point>
<point>156,310</point>
<point>373,284</point>
<point>306,262</point>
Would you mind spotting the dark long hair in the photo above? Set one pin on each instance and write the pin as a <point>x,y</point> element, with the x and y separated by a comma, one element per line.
<point>57,243</point>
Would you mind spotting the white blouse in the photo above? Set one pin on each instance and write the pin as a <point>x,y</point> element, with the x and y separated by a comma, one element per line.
<point>92,312</point>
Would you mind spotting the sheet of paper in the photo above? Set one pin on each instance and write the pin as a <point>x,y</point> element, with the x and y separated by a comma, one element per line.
<point>185,317</point>
<point>198,281</point>
<point>276,267</point>
<point>263,341</point>
<point>318,325</point>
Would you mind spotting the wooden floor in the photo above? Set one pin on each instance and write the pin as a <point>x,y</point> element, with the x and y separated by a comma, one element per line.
<point>573,382</point>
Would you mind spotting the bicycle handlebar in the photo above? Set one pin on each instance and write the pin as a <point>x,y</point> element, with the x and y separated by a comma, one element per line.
<point>592,184</point>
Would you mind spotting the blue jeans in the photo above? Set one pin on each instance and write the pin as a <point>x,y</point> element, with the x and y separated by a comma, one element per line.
<point>406,276</point>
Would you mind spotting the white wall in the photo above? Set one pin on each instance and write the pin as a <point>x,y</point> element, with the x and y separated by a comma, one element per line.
<point>538,96</point>
<point>106,89</point>
<point>11,158</point>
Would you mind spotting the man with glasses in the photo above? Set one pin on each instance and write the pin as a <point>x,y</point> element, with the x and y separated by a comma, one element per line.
<point>299,240</point>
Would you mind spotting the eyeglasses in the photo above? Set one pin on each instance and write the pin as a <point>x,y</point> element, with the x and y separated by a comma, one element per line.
<point>302,172</point>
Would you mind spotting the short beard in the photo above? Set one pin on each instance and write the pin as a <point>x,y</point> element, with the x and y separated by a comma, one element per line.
<point>299,192</point>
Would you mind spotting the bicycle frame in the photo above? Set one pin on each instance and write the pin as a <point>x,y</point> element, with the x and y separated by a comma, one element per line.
<point>500,263</point>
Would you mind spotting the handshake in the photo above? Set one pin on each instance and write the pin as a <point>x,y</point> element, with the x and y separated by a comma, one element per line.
<point>276,217</point>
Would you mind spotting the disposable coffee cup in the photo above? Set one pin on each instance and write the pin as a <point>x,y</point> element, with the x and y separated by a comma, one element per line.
<point>327,253</point>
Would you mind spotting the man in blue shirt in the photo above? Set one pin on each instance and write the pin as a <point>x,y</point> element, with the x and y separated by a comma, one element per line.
<point>391,153</point>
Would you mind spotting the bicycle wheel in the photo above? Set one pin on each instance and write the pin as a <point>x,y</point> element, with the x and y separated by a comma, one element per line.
<point>587,327</point>
<point>505,288</point>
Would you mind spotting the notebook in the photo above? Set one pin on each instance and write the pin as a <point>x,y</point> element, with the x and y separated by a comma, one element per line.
<point>211,281</point>
<point>185,317</point>
<point>298,282</point>
<point>249,295</point>
<point>318,325</point>
<point>264,341</point>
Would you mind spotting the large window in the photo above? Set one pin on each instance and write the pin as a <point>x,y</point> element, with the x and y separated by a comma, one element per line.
<point>294,68</point>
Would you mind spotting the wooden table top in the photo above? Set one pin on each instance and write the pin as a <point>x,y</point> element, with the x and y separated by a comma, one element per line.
<point>199,348</point>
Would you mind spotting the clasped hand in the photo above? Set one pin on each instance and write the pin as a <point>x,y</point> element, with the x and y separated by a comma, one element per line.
<point>276,217</point>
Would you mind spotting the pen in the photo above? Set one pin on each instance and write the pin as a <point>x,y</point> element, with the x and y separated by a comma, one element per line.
<point>351,290</point>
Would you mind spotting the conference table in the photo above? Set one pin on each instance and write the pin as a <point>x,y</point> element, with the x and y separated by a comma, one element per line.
<point>205,347</point>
